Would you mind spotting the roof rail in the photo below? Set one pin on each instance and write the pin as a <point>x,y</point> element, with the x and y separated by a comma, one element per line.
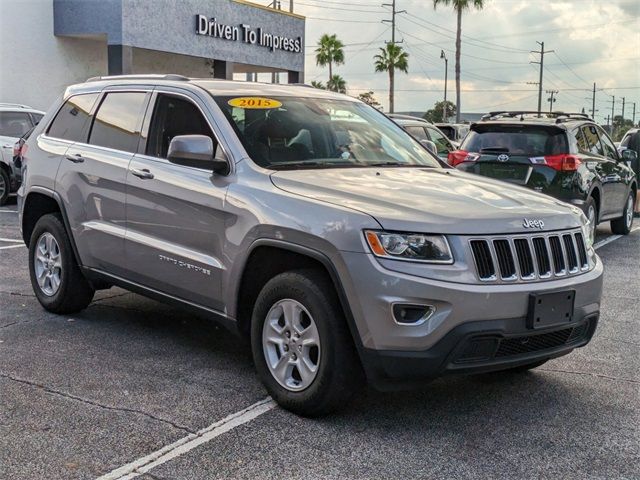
<point>150,76</point>
<point>407,117</point>
<point>15,105</point>
<point>559,116</point>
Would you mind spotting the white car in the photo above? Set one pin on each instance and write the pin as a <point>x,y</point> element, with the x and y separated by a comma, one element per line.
<point>15,121</point>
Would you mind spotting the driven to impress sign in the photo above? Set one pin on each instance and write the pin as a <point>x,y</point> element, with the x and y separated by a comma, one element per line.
<point>244,33</point>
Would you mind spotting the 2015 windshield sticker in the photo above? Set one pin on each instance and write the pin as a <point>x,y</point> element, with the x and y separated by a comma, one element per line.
<point>254,103</point>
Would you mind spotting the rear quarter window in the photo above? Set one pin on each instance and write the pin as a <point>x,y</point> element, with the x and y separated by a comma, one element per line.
<point>517,140</point>
<point>70,122</point>
<point>14,124</point>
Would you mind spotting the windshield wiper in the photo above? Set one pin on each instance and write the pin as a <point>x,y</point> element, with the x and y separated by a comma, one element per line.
<point>307,164</point>
<point>396,164</point>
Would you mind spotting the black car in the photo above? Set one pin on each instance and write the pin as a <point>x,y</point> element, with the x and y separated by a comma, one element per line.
<point>565,155</point>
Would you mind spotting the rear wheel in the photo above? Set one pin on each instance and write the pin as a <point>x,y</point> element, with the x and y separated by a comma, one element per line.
<point>56,278</point>
<point>622,225</point>
<point>5,186</point>
<point>301,345</point>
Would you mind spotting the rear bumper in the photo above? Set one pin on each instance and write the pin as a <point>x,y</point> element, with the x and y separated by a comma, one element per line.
<point>476,347</point>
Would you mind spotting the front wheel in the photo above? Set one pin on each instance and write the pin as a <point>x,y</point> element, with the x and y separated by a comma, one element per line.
<point>622,225</point>
<point>301,345</point>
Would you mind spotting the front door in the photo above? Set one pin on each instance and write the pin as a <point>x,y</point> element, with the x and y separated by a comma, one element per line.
<point>175,214</point>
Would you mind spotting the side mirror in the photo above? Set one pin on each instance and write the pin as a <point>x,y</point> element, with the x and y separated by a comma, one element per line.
<point>197,151</point>
<point>429,145</point>
<point>628,155</point>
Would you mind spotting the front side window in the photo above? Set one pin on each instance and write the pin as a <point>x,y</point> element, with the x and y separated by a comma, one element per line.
<point>173,116</point>
<point>439,139</point>
<point>14,124</point>
<point>296,132</point>
<point>70,121</point>
<point>417,132</point>
<point>118,120</point>
<point>607,145</point>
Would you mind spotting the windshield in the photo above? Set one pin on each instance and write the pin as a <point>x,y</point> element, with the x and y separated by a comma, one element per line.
<point>518,140</point>
<point>294,132</point>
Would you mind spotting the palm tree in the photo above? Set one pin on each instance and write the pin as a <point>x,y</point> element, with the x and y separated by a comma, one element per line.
<point>329,52</point>
<point>391,58</point>
<point>337,84</point>
<point>459,6</point>
<point>317,84</point>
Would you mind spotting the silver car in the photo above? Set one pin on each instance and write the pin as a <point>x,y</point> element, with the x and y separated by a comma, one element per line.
<point>308,222</point>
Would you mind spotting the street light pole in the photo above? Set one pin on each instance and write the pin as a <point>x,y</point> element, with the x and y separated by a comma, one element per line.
<point>446,69</point>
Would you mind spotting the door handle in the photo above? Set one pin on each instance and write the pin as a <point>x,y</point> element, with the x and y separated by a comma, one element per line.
<point>7,146</point>
<point>144,174</point>
<point>77,158</point>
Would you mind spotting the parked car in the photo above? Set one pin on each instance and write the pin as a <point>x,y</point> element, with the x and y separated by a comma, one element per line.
<point>423,130</point>
<point>454,131</point>
<point>563,155</point>
<point>308,222</point>
<point>15,121</point>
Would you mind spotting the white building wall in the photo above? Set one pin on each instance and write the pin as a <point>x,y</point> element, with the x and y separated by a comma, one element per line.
<point>36,66</point>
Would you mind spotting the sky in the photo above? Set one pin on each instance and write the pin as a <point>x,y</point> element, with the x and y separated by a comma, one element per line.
<point>593,41</point>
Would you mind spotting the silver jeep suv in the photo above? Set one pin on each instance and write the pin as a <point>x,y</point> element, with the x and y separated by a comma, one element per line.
<point>308,222</point>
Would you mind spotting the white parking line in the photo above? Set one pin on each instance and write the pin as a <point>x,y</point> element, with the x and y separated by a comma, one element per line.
<point>610,239</point>
<point>191,441</point>
<point>14,240</point>
<point>8,211</point>
<point>12,246</point>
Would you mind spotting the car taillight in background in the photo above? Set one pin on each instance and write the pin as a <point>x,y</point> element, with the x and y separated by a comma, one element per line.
<point>562,162</point>
<point>458,156</point>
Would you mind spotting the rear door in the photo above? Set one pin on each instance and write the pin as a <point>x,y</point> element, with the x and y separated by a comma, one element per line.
<point>92,178</point>
<point>175,214</point>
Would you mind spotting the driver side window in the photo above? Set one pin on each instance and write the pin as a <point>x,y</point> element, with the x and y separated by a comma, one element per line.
<point>173,116</point>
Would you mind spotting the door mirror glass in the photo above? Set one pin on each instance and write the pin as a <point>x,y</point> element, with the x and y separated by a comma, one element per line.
<point>197,151</point>
<point>429,145</point>
<point>628,155</point>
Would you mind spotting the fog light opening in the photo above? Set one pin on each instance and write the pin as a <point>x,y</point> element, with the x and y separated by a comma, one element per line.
<point>412,315</point>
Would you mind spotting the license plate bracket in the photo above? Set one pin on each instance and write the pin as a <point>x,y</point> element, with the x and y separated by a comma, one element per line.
<point>550,309</point>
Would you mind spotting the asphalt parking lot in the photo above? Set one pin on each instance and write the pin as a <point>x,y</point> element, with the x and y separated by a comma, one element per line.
<point>131,386</point>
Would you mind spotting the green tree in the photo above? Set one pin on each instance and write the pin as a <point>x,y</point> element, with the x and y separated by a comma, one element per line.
<point>435,114</point>
<point>459,6</point>
<point>337,84</point>
<point>391,58</point>
<point>316,84</point>
<point>620,127</point>
<point>369,99</point>
<point>329,52</point>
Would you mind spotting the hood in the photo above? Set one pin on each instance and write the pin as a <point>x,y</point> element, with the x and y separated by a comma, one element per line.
<point>432,200</point>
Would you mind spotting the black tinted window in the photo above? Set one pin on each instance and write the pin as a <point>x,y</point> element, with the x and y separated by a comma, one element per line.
<point>518,140</point>
<point>174,116</point>
<point>71,119</point>
<point>450,132</point>
<point>14,124</point>
<point>117,122</point>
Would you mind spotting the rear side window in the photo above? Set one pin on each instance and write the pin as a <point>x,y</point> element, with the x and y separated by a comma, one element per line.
<point>532,141</point>
<point>14,124</point>
<point>71,119</point>
<point>417,132</point>
<point>118,120</point>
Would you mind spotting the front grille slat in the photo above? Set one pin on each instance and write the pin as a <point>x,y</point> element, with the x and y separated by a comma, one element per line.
<point>529,257</point>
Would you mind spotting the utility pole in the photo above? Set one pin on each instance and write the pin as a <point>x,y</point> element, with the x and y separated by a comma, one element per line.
<point>541,63</point>
<point>613,114</point>
<point>291,6</point>
<point>551,99</point>
<point>633,121</point>
<point>394,12</point>
<point>623,110</point>
<point>593,102</point>
<point>446,69</point>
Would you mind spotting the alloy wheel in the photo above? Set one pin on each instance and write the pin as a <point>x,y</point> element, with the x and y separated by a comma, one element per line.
<point>47,263</point>
<point>591,216</point>
<point>291,345</point>
<point>3,186</point>
<point>629,218</point>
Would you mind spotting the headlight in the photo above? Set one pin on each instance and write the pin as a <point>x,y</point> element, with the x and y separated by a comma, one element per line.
<point>409,246</point>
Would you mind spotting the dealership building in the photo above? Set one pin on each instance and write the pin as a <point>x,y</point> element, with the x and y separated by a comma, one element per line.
<point>46,45</point>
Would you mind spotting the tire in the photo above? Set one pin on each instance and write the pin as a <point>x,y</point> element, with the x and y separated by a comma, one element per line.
<point>338,373</point>
<point>5,186</point>
<point>528,366</point>
<point>591,211</point>
<point>64,289</point>
<point>623,225</point>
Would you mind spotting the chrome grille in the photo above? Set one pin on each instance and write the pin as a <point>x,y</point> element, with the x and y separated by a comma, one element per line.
<point>529,257</point>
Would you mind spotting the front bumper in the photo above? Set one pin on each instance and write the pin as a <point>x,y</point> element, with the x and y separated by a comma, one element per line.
<point>463,311</point>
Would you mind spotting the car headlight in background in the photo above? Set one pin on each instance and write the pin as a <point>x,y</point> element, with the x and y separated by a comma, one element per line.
<point>416,247</point>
